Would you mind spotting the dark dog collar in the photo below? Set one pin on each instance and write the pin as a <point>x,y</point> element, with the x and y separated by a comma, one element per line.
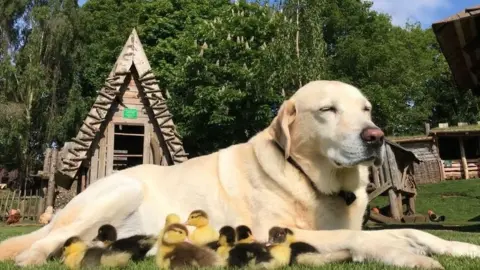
<point>348,196</point>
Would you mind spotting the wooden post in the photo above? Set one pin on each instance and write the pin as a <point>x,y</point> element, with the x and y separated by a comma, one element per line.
<point>400,203</point>
<point>427,129</point>
<point>51,178</point>
<point>411,202</point>
<point>394,204</point>
<point>464,159</point>
<point>83,180</point>
<point>376,179</point>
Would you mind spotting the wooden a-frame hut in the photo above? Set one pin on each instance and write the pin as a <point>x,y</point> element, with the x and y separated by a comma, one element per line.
<point>129,124</point>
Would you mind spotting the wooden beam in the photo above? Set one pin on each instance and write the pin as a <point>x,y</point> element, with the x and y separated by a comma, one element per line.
<point>378,191</point>
<point>461,39</point>
<point>464,159</point>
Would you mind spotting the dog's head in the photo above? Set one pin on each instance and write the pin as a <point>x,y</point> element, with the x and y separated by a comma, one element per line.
<point>329,120</point>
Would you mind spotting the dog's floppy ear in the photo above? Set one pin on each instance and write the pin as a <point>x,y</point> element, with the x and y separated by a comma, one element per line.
<point>280,128</point>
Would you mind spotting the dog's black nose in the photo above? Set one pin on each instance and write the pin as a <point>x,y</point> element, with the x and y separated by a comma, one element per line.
<point>372,136</point>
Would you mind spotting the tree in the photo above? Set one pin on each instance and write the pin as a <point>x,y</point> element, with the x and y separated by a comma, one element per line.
<point>215,60</point>
<point>40,76</point>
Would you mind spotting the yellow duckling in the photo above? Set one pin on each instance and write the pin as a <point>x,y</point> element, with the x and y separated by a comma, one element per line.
<point>169,220</point>
<point>175,252</point>
<point>203,233</point>
<point>77,255</point>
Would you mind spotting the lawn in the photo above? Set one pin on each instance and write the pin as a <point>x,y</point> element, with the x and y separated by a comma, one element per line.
<point>459,201</point>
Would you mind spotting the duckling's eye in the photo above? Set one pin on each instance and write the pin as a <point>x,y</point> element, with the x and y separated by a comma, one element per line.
<point>328,109</point>
<point>367,109</point>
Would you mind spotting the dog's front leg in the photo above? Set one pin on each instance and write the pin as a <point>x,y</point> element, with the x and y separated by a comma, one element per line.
<point>389,247</point>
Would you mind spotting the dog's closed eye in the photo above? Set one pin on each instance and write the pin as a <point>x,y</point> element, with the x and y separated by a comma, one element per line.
<point>328,109</point>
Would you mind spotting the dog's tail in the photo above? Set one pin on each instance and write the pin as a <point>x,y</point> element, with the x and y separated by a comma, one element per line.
<point>13,246</point>
<point>317,259</point>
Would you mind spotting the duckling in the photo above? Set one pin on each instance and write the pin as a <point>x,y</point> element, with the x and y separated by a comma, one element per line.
<point>174,252</point>
<point>203,233</point>
<point>244,235</point>
<point>169,220</point>
<point>77,254</point>
<point>302,252</point>
<point>226,238</point>
<point>246,250</point>
<point>137,245</point>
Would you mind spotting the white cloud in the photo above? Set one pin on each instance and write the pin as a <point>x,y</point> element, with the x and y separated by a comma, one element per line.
<point>414,10</point>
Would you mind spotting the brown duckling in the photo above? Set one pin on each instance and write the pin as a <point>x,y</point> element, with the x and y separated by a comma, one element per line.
<point>174,252</point>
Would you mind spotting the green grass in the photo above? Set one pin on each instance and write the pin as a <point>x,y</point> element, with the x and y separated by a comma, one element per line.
<point>458,200</point>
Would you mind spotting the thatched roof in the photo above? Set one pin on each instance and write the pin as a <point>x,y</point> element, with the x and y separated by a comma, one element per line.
<point>411,138</point>
<point>456,130</point>
<point>410,155</point>
<point>460,44</point>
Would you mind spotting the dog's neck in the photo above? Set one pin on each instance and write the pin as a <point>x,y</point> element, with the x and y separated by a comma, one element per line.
<point>346,195</point>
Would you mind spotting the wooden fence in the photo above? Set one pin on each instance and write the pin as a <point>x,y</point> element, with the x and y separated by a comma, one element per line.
<point>453,169</point>
<point>30,204</point>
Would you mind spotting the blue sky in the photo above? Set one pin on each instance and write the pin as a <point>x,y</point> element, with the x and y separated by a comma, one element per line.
<point>424,11</point>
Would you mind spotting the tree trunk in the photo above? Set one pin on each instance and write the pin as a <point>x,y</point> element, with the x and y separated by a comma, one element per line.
<point>297,43</point>
<point>51,179</point>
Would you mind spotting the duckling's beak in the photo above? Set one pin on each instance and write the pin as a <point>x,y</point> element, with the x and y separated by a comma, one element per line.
<point>188,241</point>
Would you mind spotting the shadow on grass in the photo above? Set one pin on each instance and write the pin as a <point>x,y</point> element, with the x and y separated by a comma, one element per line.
<point>475,219</point>
<point>427,226</point>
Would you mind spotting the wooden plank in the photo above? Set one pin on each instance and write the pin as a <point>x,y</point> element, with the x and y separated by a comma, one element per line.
<point>381,218</point>
<point>83,180</point>
<point>464,159</point>
<point>378,191</point>
<point>94,165</point>
<point>102,155</point>
<point>130,134</point>
<point>110,144</point>
<point>146,144</point>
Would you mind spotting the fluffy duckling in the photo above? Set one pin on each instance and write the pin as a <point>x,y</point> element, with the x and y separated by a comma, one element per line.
<point>77,254</point>
<point>244,235</point>
<point>300,252</point>
<point>225,242</point>
<point>137,245</point>
<point>174,251</point>
<point>169,220</point>
<point>246,250</point>
<point>203,233</point>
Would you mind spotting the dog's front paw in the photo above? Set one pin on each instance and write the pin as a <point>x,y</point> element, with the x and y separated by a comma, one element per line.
<point>424,262</point>
<point>30,258</point>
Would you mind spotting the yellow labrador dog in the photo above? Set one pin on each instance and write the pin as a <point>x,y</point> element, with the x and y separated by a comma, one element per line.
<point>306,171</point>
